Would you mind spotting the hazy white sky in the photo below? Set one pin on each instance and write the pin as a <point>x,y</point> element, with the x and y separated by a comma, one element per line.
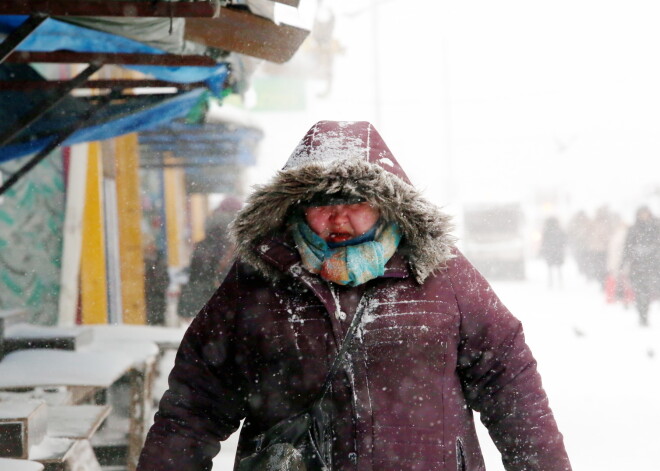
<point>508,99</point>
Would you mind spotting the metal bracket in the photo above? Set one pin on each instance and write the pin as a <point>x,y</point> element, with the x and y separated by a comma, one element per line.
<point>49,104</point>
<point>20,34</point>
<point>34,161</point>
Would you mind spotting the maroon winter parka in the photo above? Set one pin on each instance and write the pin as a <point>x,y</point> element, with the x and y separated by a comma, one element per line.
<point>435,342</point>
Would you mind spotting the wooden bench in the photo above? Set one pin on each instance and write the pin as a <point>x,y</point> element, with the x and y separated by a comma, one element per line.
<point>26,370</point>
<point>65,454</point>
<point>116,366</point>
<point>7,319</point>
<point>56,437</point>
<point>23,336</point>
<point>23,424</point>
<point>8,464</point>
<point>67,445</point>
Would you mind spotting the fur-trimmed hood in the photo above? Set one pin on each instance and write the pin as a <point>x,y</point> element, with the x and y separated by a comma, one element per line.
<point>348,158</point>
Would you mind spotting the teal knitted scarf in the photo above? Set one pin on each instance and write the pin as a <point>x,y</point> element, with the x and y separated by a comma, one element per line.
<point>349,265</point>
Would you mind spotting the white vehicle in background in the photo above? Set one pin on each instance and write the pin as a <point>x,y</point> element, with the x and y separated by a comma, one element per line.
<point>493,240</point>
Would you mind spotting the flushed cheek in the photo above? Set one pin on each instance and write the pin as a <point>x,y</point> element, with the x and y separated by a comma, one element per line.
<point>362,222</point>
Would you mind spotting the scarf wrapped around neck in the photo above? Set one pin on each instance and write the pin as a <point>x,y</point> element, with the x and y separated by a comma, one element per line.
<point>349,265</point>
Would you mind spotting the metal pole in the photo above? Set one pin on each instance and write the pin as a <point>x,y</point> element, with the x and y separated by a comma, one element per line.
<point>47,105</point>
<point>102,103</point>
<point>20,34</point>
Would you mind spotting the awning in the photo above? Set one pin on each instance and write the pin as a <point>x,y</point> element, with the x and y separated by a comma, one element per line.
<point>200,145</point>
<point>53,35</point>
<point>212,155</point>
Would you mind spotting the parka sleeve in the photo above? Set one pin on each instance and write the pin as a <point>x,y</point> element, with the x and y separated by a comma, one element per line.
<point>205,401</point>
<point>500,379</point>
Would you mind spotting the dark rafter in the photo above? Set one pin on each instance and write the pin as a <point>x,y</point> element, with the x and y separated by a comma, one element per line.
<point>68,57</point>
<point>199,9</point>
<point>228,28</point>
<point>194,9</point>
<point>20,34</point>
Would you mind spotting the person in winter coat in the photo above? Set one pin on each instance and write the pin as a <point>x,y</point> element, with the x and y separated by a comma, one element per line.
<point>553,248</point>
<point>211,259</point>
<point>641,260</point>
<point>156,281</point>
<point>578,233</point>
<point>341,222</point>
<point>598,239</point>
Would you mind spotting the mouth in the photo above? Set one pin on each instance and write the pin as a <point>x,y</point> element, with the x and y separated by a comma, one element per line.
<point>339,237</point>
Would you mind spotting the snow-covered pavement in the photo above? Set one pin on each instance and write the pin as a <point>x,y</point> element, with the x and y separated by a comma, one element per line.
<point>600,369</point>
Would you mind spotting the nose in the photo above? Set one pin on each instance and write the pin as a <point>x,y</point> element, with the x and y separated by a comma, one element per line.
<point>338,213</point>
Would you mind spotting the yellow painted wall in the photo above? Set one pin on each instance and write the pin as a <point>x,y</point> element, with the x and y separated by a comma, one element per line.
<point>93,287</point>
<point>130,232</point>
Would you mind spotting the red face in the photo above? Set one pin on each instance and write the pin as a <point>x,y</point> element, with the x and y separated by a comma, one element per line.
<point>341,222</point>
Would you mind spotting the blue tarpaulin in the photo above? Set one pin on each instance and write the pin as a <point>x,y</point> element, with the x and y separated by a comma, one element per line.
<point>53,35</point>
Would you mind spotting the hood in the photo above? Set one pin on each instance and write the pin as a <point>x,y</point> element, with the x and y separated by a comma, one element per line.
<point>349,158</point>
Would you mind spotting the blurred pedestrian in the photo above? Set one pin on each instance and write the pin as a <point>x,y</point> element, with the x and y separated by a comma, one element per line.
<point>211,259</point>
<point>641,260</point>
<point>617,285</point>
<point>340,246</point>
<point>156,280</point>
<point>553,249</point>
<point>598,239</point>
<point>577,233</point>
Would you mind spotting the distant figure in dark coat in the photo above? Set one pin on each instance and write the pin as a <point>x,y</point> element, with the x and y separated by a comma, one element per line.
<point>553,248</point>
<point>156,281</point>
<point>577,233</point>
<point>600,232</point>
<point>211,259</point>
<point>641,259</point>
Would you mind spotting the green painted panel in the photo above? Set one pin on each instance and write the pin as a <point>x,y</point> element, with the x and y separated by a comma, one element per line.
<point>31,228</point>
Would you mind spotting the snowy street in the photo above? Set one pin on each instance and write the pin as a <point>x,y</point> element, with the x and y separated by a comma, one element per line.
<point>600,369</point>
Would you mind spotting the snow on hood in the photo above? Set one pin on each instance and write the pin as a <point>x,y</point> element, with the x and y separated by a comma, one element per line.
<point>349,158</point>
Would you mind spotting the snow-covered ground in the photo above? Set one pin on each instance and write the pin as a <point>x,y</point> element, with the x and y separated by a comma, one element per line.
<point>600,369</point>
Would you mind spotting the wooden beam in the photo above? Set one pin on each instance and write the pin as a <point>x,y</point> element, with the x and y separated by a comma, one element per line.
<point>195,9</point>
<point>68,57</point>
<point>175,215</point>
<point>127,159</point>
<point>199,211</point>
<point>93,279</point>
<point>240,31</point>
<point>73,233</point>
